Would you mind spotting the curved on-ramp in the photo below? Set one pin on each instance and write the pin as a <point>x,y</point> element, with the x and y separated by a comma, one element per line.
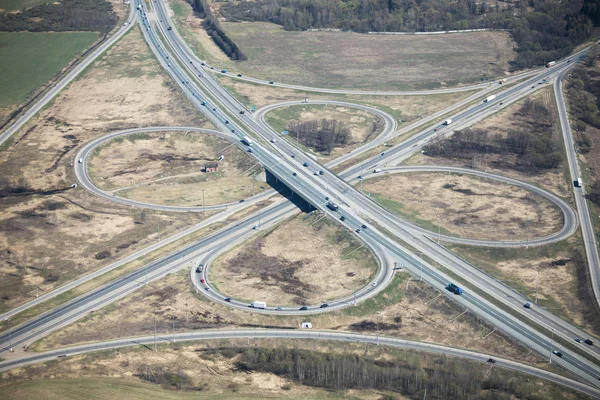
<point>383,276</point>
<point>570,222</point>
<point>84,179</point>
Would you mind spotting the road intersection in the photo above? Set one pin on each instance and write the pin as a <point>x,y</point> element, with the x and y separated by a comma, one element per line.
<point>387,235</point>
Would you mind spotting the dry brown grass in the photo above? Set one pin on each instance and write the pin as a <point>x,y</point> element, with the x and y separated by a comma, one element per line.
<point>500,123</point>
<point>68,232</point>
<point>418,315</point>
<point>282,266</point>
<point>555,271</point>
<point>468,206</point>
<point>353,60</point>
<point>168,168</point>
<point>362,125</point>
<point>403,108</point>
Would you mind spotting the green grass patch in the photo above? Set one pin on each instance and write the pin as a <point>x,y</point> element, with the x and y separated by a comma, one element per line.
<point>111,388</point>
<point>14,5</point>
<point>392,294</point>
<point>28,60</point>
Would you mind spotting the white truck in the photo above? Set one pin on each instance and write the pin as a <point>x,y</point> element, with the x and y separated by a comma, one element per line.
<point>578,182</point>
<point>550,64</point>
<point>489,98</point>
<point>246,140</point>
<point>448,121</point>
<point>376,170</point>
<point>258,304</point>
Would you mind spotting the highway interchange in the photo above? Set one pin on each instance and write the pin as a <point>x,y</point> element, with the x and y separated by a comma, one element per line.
<point>387,234</point>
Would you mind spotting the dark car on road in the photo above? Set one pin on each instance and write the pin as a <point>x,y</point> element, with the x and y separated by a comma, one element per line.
<point>324,305</point>
<point>303,308</point>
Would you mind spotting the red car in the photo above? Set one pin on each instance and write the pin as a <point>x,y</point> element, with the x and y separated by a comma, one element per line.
<point>202,280</point>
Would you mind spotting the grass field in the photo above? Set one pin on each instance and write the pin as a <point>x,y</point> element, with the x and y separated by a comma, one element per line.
<point>107,96</point>
<point>110,388</point>
<point>353,60</point>
<point>13,5</point>
<point>466,206</point>
<point>362,125</point>
<point>283,271</point>
<point>167,168</point>
<point>541,267</point>
<point>28,60</point>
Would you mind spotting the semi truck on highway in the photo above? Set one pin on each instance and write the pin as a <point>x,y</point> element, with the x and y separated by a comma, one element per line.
<point>489,98</point>
<point>578,182</point>
<point>501,81</point>
<point>376,170</point>
<point>258,304</point>
<point>448,121</point>
<point>332,206</point>
<point>246,140</point>
<point>454,289</point>
<point>550,64</point>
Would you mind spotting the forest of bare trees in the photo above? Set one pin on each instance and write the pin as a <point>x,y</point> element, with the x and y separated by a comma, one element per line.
<point>321,135</point>
<point>214,30</point>
<point>534,146</point>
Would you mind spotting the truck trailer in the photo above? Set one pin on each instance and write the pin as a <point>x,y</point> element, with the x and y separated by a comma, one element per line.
<point>578,182</point>
<point>489,98</point>
<point>247,141</point>
<point>550,64</point>
<point>448,121</point>
<point>258,304</point>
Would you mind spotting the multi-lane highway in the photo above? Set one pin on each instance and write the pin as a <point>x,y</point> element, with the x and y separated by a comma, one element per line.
<point>358,210</point>
<point>223,110</point>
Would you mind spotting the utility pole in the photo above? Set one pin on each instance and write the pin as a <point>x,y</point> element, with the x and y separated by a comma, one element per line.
<point>537,283</point>
<point>377,324</point>
<point>10,347</point>
<point>551,339</point>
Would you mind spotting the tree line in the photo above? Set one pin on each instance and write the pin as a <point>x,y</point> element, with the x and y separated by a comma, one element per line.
<point>544,30</point>
<point>321,135</point>
<point>67,15</point>
<point>533,147</point>
<point>584,103</point>
<point>214,30</point>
